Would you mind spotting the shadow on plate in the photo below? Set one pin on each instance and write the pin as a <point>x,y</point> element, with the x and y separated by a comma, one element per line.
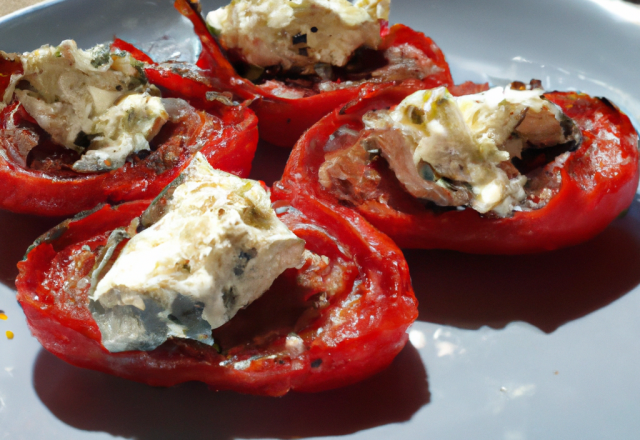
<point>545,290</point>
<point>18,232</point>
<point>94,401</point>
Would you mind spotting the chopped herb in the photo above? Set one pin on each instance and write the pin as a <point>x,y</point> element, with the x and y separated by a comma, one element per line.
<point>416,115</point>
<point>119,53</point>
<point>299,38</point>
<point>139,66</point>
<point>100,55</point>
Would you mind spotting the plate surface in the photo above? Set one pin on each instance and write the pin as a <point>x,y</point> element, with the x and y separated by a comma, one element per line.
<point>515,348</point>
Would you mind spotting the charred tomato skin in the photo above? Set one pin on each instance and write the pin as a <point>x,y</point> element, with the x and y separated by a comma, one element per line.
<point>357,334</point>
<point>597,183</point>
<point>226,135</point>
<point>282,121</point>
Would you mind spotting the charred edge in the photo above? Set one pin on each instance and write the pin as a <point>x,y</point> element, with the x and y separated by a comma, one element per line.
<point>156,209</point>
<point>58,231</point>
<point>195,5</point>
<point>609,104</point>
<point>343,110</point>
<point>105,255</point>
<point>48,237</point>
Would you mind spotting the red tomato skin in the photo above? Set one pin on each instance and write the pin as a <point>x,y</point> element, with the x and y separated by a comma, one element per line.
<point>282,121</point>
<point>599,181</point>
<point>226,135</point>
<point>343,353</point>
<point>29,191</point>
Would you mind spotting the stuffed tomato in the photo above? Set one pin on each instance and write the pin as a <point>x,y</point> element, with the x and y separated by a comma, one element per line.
<point>301,61</point>
<point>509,170</point>
<point>337,310</point>
<point>82,127</point>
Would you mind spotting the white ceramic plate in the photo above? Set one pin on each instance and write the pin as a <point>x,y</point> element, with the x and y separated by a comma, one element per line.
<point>514,348</point>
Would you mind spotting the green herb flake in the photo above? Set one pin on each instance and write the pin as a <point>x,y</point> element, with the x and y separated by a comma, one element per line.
<point>100,55</point>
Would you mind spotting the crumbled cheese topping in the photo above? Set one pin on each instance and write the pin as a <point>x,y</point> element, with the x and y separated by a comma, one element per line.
<point>216,248</point>
<point>465,139</point>
<point>92,100</point>
<point>298,33</point>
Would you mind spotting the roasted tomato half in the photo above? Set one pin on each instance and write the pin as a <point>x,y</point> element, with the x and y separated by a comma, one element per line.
<point>567,193</point>
<point>335,320</point>
<point>39,175</point>
<point>287,103</point>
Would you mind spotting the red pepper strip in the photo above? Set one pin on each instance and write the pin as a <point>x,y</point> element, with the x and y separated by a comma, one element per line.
<point>134,51</point>
<point>282,121</point>
<point>598,181</point>
<point>226,135</point>
<point>354,332</point>
<point>211,58</point>
<point>179,80</point>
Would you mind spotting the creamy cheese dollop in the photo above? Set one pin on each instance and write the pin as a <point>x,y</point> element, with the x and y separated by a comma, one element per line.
<point>298,33</point>
<point>215,247</point>
<point>95,102</point>
<point>461,143</point>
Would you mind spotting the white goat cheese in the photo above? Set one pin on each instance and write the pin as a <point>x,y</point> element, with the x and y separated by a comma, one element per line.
<point>465,138</point>
<point>93,100</point>
<point>217,246</point>
<point>298,33</point>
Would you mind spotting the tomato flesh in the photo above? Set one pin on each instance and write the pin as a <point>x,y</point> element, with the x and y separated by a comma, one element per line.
<point>597,182</point>
<point>350,309</point>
